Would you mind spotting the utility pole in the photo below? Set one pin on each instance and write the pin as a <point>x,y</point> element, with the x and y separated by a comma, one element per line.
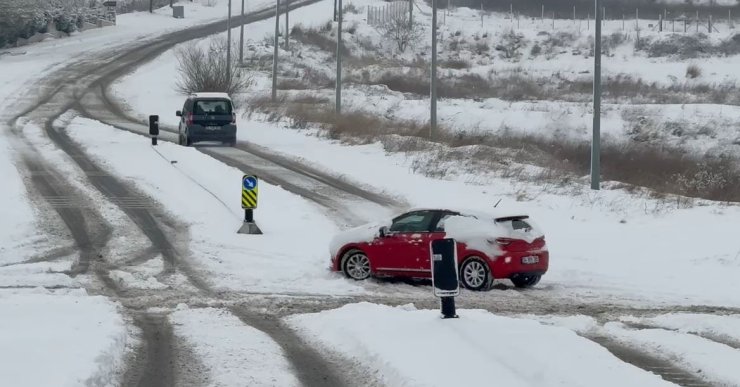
<point>275,52</point>
<point>287,24</point>
<point>433,81</point>
<point>411,13</point>
<point>228,44</point>
<point>151,6</point>
<point>596,142</point>
<point>338,103</point>
<point>335,10</point>
<point>241,37</point>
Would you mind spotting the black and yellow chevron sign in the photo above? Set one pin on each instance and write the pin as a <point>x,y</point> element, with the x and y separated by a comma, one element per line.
<point>249,192</point>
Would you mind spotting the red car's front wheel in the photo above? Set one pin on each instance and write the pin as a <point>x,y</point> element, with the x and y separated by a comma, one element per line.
<point>356,265</point>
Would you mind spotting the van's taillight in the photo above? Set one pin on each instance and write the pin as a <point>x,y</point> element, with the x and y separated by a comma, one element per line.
<point>233,118</point>
<point>189,119</point>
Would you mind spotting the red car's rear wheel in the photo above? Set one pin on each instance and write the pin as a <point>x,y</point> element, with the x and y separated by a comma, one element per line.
<point>356,265</point>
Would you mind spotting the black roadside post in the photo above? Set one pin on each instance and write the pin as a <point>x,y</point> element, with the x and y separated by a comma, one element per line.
<point>250,192</point>
<point>154,128</point>
<point>445,279</point>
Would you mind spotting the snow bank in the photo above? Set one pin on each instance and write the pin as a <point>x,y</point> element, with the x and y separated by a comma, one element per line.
<point>60,340</point>
<point>406,347</point>
<point>717,362</point>
<point>235,354</point>
<point>19,236</point>
<point>728,326</point>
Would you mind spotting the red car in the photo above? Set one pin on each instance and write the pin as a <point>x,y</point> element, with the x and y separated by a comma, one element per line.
<point>488,247</point>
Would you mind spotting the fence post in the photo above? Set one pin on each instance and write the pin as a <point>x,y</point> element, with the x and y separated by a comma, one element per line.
<point>729,19</point>
<point>637,19</point>
<point>542,18</point>
<point>574,14</point>
<point>709,27</point>
<point>553,20</point>
<point>588,21</point>
<point>511,12</point>
<point>697,20</point>
<point>660,23</point>
<point>622,22</point>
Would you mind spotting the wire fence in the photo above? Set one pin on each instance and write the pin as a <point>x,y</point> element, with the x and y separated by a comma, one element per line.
<point>378,16</point>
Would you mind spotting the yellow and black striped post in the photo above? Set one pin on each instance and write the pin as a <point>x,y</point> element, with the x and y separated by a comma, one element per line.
<point>250,192</point>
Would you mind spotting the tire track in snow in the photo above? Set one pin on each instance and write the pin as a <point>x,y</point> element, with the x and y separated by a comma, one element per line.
<point>715,337</point>
<point>665,369</point>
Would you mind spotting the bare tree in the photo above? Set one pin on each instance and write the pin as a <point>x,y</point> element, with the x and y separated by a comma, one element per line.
<point>204,70</point>
<point>402,32</point>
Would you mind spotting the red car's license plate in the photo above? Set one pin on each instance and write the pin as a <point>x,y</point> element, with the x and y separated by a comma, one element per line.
<point>213,127</point>
<point>530,260</point>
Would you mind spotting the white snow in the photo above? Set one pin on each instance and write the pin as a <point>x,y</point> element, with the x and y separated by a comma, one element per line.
<point>718,325</point>
<point>204,194</point>
<point>60,340</point>
<point>406,347</point>
<point>234,354</point>
<point>713,361</point>
<point>364,233</point>
<point>608,244</point>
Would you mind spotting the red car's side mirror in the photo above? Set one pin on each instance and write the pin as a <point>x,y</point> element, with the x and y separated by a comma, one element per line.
<point>383,231</point>
<point>178,113</point>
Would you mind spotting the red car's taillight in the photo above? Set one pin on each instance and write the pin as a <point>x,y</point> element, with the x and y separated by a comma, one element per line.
<point>502,241</point>
<point>233,118</point>
<point>189,119</point>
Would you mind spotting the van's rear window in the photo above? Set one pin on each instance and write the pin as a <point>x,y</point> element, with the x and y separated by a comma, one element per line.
<point>212,107</point>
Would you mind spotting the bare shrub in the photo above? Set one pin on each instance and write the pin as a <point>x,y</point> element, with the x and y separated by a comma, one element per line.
<point>482,47</point>
<point>318,39</point>
<point>204,70</point>
<point>511,44</point>
<point>351,8</point>
<point>535,50</point>
<point>682,46</point>
<point>456,64</point>
<point>662,169</point>
<point>693,71</point>
<point>401,32</point>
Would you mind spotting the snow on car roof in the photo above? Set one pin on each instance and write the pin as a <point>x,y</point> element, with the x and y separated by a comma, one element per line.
<point>480,214</point>
<point>211,95</point>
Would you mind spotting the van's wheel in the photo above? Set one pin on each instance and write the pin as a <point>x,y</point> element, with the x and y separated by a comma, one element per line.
<point>526,281</point>
<point>179,139</point>
<point>188,141</point>
<point>475,274</point>
<point>356,265</point>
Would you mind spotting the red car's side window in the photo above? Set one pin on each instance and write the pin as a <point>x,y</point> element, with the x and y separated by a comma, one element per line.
<point>420,221</point>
